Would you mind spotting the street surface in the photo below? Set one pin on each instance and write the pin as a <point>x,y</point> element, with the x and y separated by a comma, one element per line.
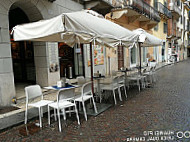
<point>160,113</point>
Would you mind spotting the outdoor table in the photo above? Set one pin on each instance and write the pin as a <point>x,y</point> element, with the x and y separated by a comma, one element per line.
<point>54,88</point>
<point>98,78</point>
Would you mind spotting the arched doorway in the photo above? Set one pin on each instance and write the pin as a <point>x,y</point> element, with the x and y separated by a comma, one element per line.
<point>23,51</point>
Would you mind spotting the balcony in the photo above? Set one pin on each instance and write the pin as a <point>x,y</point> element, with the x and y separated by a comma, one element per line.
<point>136,10</point>
<point>176,11</point>
<point>101,6</point>
<point>164,11</point>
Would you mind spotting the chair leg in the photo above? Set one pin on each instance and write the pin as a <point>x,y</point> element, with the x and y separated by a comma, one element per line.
<point>114,97</point>
<point>26,114</point>
<point>138,83</point>
<point>59,121</point>
<point>79,106</point>
<point>119,91</point>
<point>40,117</point>
<point>84,109</point>
<point>100,98</point>
<point>42,112</point>
<point>77,114</point>
<point>64,115</point>
<point>94,105</point>
<point>48,115</point>
<point>125,92</point>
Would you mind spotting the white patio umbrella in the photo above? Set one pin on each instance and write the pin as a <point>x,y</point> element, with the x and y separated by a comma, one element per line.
<point>146,40</point>
<point>82,26</point>
<point>150,40</point>
<point>76,27</point>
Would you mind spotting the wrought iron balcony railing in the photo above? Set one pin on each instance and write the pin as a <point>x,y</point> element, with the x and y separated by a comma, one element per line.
<point>140,6</point>
<point>174,7</point>
<point>164,10</point>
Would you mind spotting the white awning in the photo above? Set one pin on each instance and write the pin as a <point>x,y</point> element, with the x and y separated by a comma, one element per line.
<point>150,39</point>
<point>76,27</point>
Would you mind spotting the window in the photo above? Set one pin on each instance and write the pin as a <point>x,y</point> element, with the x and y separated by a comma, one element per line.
<point>163,48</point>
<point>156,4</point>
<point>165,27</point>
<point>133,55</point>
<point>178,2</point>
<point>165,4</point>
<point>181,19</point>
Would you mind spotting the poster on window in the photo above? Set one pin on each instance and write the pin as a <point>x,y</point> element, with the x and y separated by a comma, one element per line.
<point>53,56</point>
<point>98,55</point>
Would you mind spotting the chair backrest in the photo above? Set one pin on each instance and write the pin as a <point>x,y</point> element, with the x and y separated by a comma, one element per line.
<point>81,80</point>
<point>33,91</point>
<point>152,64</point>
<point>115,80</point>
<point>65,94</point>
<point>121,78</point>
<point>86,88</point>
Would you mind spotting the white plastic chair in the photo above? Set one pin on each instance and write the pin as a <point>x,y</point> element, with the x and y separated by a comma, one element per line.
<point>86,94</point>
<point>121,83</point>
<point>65,99</point>
<point>33,92</point>
<point>81,80</point>
<point>112,87</point>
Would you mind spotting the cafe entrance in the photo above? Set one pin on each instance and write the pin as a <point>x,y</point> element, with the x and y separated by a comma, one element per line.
<point>22,55</point>
<point>71,60</point>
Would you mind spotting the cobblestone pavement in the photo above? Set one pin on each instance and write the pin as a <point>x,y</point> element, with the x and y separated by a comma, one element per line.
<point>164,107</point>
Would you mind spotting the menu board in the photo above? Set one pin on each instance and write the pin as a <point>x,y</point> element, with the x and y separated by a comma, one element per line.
<point>98,55</point>
<point>53,56</point>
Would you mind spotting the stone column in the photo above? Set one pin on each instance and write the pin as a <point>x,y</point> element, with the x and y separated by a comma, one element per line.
<point>7,88</point>
<point>43,75</point>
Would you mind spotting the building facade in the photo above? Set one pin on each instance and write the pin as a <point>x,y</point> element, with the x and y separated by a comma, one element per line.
<point>27,62</point>
<point>160,53</point>
<point>133,14</point>
<point>44,63</point>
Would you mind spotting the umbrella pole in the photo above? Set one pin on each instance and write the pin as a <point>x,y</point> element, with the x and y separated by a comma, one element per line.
<point>91,65</point>
<point>140,57</point>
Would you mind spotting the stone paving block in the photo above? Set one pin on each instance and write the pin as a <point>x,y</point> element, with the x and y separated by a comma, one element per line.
<point>163,107</point>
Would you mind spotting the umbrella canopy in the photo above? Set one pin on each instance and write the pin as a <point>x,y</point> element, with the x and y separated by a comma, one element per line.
<point>76,27</point>
<point>150,39</point>
<point>146,40</point>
